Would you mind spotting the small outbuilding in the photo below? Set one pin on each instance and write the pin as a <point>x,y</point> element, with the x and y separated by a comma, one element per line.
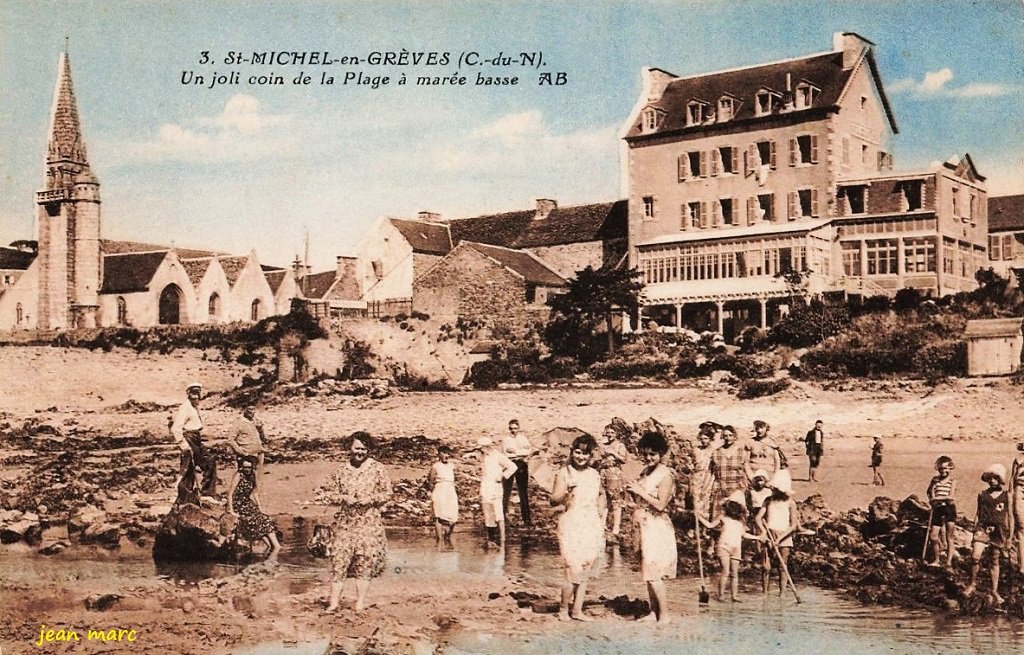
<point>993,346</point>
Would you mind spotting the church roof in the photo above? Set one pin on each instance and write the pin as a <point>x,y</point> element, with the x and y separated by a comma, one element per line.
<point>563,225</point>
<point>233,267</point>
<point>1005,213</point>
<point>196,268</point>
<point>533,270</point>
<point>111,247</point>
<point>275,276</point>
<point>12,259</point>
<point>315,285</point>
<point>425,238</point>
<point>130,272</point>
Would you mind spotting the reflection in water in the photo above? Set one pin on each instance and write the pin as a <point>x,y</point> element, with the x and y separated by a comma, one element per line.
<point>825,622</point>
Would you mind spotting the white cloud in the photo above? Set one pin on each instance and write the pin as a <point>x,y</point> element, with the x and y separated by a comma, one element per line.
<point>524,139</point>
<point>241,132</point>
<point>935,84</point>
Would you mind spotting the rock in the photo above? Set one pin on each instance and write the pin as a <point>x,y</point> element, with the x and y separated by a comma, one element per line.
<point>189,532</point>
<point>24,529</point>
<point>882,517</point>
<point>546,606</point>
<point>913,509</point>
<point>814,512</point>
<point>85,517</point>
<point>104,534</point>
<point>53,548</point>
<point>101,603</point>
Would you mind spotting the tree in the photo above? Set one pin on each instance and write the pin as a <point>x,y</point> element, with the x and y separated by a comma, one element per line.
<point>594,295</point>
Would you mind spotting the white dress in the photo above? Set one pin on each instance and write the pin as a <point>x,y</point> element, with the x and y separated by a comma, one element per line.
<point>580,528</point>
<point>443,496</point>
<point>657,536</point>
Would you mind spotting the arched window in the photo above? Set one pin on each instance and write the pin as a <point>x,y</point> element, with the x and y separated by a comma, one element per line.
<point>19,314</point>
<point>171,305</point>
<point>255,313</point>
<point>213,307</point>
<point>122,311</point>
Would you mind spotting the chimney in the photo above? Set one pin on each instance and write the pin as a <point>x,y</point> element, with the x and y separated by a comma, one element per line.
<point>350,284</point>
<point>428,217</point>
<point>346,267</point>
<point>851,45</point>
<point>544,208</point>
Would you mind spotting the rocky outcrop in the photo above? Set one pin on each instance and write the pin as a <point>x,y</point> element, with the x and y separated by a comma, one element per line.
<point>193,533</point>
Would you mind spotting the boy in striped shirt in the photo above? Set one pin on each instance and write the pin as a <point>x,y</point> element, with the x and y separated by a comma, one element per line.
<point>941,491</point>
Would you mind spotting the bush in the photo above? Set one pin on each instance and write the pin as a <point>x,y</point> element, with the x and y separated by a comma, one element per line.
<point>909,298</point>
<point>752,339</point>
<point>562,368</point>
<point>941,360</point>
<point>807,325</point>
<point>690,361</point>
<point>749,367</point>
<point>489,373</point>
<point>624,366</point>
<point>758,388</point>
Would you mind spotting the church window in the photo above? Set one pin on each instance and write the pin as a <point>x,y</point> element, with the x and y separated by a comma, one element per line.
<point>122,311</point>
<point>19,314</point>
<point>213,306</point>
<point>254,313</point>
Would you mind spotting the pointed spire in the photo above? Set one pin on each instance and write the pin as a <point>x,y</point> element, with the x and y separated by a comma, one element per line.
<point>65,139</point>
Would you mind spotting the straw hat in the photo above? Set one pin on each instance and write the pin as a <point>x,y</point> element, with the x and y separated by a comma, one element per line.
<point>997,470</point>
<point>193,385</point>
<point>782,481</point>
<point>760,473</point>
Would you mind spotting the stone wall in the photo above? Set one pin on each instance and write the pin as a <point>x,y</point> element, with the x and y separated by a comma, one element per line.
<point>566,259</point>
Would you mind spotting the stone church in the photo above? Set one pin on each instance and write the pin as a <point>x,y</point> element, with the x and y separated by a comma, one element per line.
<point>70,277</point>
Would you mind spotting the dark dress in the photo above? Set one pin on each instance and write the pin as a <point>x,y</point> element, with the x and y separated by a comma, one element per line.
<point>252,523</point>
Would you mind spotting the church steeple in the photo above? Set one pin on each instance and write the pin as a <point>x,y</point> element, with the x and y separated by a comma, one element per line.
<point>65,151</point>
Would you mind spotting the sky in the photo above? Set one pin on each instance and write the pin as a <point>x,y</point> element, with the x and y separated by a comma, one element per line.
<point>257,166</point>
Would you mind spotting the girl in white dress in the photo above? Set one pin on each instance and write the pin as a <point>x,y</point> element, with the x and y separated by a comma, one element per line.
<point>580,528</point>
<point>443,496</point>
<point>653,492</point>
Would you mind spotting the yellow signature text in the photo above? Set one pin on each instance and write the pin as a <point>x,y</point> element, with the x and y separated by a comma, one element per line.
<point>68,634</point>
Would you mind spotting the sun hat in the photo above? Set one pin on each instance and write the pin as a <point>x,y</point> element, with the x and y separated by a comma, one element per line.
<point>997,470</point>
<point>760,473</point>
<point>193,385</point>
<point>782,481</point>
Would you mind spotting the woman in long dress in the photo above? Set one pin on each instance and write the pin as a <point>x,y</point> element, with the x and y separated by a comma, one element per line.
<point>580,528</point>
<point>443,496</point>
<point>702,481</point>
<point>360,488</point>
<point>653,492</point>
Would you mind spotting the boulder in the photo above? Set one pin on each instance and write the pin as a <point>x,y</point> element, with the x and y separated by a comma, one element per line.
<point>85,517</point>
<point>193,533</point>
<point>103,534</point>
<point>24,529</point>
<point>883,517</point>
<point>814,512</point>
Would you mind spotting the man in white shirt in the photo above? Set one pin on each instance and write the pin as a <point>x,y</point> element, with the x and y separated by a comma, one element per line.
<point>517,448</point>
<point>495,469</point>
<point>186,428</point>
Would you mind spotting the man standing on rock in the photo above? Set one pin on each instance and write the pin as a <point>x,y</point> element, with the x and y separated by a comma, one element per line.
<point>814,446</point>
<point>187,432</point>
<point>517,448</point>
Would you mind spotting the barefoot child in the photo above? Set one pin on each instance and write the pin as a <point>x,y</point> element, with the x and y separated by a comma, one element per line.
<point>443,496</point>
<point>781,520</point>
<point>991,528</point>
<point>729,548</point>
<point>580,529</point>
<point>876,462</point>
<point>612,456</point>
<point>941,490</point>
<point>495,467</point>
<point>755,498</point>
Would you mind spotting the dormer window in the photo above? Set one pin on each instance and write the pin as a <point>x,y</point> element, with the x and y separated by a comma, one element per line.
<point>649,120</point>
<point>767,102</point>
<point>727,107</point>
<point>697,112</point>
<point>806,95</point>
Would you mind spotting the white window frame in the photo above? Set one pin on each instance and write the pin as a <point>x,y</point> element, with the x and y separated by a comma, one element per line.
<point>806,95</point>
<point>649,208</point>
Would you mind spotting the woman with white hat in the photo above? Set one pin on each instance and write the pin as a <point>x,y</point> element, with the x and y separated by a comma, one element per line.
<point>991,528</point>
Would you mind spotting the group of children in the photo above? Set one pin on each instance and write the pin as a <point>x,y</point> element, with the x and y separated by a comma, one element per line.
<point>993,527</point>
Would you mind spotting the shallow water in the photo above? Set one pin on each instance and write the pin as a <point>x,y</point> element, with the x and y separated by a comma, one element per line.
<point>824,622</point>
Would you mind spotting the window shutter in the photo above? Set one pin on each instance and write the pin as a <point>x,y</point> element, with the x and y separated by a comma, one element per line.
<point>714,161</point>
<point>735,211</point>
<point>772,148</point>
<point>791,205</point>
<point>735,159</point>
<point>703,214</point>
<point>716,211</point>
<point>814,148</point>
<point>746,162</point>
<point>814,202</point>
<point>683,218</point>
<point>751,211</point>
<point>792,152</point>
<point>681,164</point>
<point>703,163</point>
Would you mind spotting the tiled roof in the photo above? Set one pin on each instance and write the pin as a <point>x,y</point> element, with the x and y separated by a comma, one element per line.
<point>1005,213</point>
<point>274,278</point>
<point>575,224</point>
<point>233,267</point>
<point>824,71</point>
<point>196,268</point>
<point>15,260</point>
<point>110,247</point>
<point>347,288</point>
<point>532,269</point>
<point>131,272</point>
<point>425,238</point>
<point>316,285</point>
